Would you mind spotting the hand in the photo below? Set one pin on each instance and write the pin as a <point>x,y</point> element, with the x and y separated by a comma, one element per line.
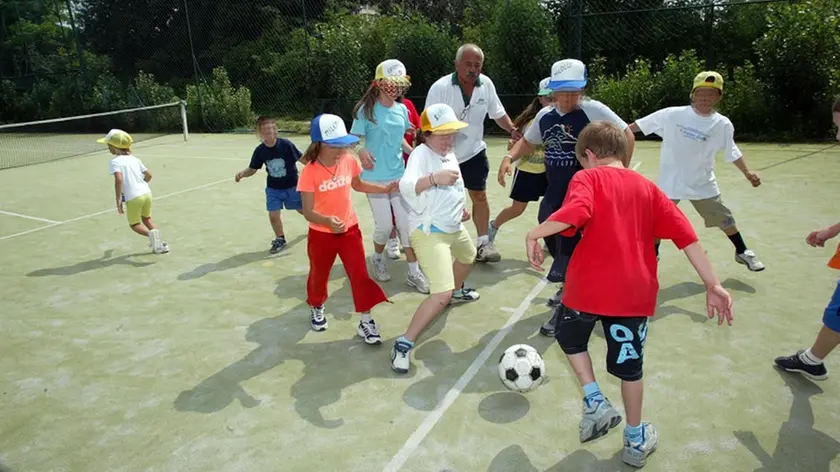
<point>465,216</point>
<point>818,238</point>
<point>366,159</point>
<point>718,300</point>
<point>446,177</point>
<point>120,207</point>
<point>754,179</point>
<point>336,225</point>
<point>534,252</point>
<point>505,168</point>
<point>393,187</point>
<point>511,142</point>
<point>515,134</point>
<point>238,177</point>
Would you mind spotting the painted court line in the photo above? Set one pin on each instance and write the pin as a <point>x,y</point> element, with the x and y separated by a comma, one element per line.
<point>636,165</point>
<point>84,217</point>
<point>29,217</point>
<point>435,415</point>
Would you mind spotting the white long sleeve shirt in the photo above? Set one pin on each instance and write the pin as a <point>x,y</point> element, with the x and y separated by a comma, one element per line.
<point>436,209</point>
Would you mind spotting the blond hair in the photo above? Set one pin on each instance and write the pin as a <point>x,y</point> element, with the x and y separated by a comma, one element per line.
<point>603,139</point>
<point>311,153</point>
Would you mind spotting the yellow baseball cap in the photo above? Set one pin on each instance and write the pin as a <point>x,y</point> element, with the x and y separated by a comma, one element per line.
<point>708,79</point>
<point>440,118</point>
<point>117,138</point>
<point>390,68</point>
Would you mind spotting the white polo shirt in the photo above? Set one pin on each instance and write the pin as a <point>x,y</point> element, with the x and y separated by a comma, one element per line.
<point>483,103</point>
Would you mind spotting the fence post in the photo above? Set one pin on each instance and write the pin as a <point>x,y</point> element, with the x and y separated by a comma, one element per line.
<point>710,40</point>
<point>576,30</point>
<point>184,119</point>
<point>81,55</point>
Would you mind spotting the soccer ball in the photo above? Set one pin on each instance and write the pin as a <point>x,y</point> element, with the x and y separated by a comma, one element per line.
<point>521,368</point>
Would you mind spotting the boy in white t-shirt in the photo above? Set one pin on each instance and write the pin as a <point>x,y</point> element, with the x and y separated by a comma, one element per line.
<point>691,137</point>
<point>131,185</point>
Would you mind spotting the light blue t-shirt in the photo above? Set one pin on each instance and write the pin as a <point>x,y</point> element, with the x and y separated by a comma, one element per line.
<point>384,140</point>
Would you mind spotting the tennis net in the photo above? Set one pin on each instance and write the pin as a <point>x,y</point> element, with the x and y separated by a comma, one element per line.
<point>35,142</point>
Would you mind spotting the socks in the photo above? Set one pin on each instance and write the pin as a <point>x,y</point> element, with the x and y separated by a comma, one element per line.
<point>809,358</point>
<point>634,434</point>
<point>366,318</point>
<point>482,240</point>
<point>376,257</point>
<point>738,242</point>
<point>414,268</point>
<point>592,393</point>
<point>402,339</point>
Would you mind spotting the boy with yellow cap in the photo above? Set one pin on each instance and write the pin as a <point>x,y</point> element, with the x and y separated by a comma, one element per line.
<point>691,137</point>
<point>131,185</point>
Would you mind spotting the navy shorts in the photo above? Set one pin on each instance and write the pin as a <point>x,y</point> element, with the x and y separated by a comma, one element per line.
<point>831,317</point>
<point>277,199</point>
<point>527,186</point>
<point>475,171</point>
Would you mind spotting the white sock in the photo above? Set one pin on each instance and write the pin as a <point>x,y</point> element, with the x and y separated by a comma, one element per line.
<point>366,318</point>
<point>809,358</point>
<point>482,240</point>
<point>376,257</point>
<point>414,268</point>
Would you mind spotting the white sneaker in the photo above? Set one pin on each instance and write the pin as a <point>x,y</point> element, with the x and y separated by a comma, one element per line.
<point>317,318</point>
<point>418,281</point>
<point>749,259</point>
<point>392,249</point>
<point>636,454</point>
<point>380,269</point>
<point>369,331</point>
<point>487,252</point>
<point>400,361</point>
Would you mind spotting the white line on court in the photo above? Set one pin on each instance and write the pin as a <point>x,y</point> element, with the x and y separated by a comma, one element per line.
<point>83,217</point>
<point>508,309</point>
<point>28,217</point>
<point>636,165</point>
<point>435,415</point>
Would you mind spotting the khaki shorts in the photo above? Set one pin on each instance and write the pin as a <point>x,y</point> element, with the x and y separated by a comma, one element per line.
<point>435,252</point>
<point>715,214</point>
<point>138,208</point>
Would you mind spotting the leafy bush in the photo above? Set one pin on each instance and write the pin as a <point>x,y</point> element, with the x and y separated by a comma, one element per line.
<point>218,106</point>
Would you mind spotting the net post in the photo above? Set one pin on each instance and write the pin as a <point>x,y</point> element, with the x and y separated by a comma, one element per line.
<point>183,106</point>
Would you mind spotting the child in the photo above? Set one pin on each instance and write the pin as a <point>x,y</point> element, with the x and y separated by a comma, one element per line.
<point>529,181</point>
<point>557,129</point>
<point>810,363</point>
<point>612,278</point>
<point>383,122</point>
<point>329,172</point>
<point>434,188</point>
<point>131,185</point>
<point>393,247</point>
<point>691,136</point>
<point>279,156</point>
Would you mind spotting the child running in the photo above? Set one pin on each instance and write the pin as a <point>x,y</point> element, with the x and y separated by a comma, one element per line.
<point>810,363</point>
<point>434,188</point>
<point>279,157</point>
<point>329,172</point>
<point>394,244</point>
<point>529,181</point>
<point>557,129</point>
<point>383,122</point>
<point>612,278</point>
<point>131,185</point>
<point>691,136</point>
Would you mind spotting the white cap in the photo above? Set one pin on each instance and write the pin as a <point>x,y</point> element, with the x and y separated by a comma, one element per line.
<point>390,68</point>
<point>440,117</point>
<point>330,130</point>
<point>567,75</point>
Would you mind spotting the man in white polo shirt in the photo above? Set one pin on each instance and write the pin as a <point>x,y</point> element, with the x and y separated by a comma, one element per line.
<point>473,97</point>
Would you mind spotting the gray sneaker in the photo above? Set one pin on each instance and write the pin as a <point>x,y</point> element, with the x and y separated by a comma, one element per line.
<point>555,299</point>
<point>380,269</point>
<point>487,252</point>
<point>599,417</point>
<point>418,281</point>
<point>749,259</point>
<point>636,454</point>
<point>550,326</point>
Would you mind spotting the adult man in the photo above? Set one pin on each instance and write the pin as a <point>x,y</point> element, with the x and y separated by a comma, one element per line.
<point>473,97</point>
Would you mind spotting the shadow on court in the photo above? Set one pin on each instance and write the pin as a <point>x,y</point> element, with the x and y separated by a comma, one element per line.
<point>95,264</point>
<point>514,459</point>
<point>799,446</point>
<point>237,261</point>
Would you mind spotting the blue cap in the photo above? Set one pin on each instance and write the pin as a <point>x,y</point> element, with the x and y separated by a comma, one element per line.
<point>330,130</point>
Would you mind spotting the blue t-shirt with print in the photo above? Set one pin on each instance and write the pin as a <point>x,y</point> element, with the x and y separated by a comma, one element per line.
<point>279,161</point>
<point>384,140</point>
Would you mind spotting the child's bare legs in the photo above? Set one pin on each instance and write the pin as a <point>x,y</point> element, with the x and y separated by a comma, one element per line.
<point>515,210</point>
<point>826,341</point>
<point>434,304</point>
<point>633,393</point>
<point>141,229</point>
<point>276,223</point>
<point>148,223</point>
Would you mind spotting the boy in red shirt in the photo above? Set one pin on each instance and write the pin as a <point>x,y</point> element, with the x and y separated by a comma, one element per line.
<point>612,278</point>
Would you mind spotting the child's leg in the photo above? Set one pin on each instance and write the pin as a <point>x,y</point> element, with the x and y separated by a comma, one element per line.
<point>276,223</point>
<point>135,210</point>
<point>322,248</point>
<point>716,214</point>
<point>810,363</point>
<point>366,293</point>
<point>140,229</point>
<point>380,206</point>
<point>573,332</point>
<point>464,251</point>
<point>515,210</point>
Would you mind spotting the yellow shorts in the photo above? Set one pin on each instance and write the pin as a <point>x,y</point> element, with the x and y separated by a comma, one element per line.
<point>137,208</point>
<point>715,214</point>
<point>435,252</point>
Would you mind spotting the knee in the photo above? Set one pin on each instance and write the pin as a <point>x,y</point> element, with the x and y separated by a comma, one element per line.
<point>518,208</point>
<point>478,196</point>
<point>441,299</point>
<point>274,216</point>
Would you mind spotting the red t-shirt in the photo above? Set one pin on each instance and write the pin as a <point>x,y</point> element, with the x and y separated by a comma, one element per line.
<point>620,213</point>
<point>414,119</point>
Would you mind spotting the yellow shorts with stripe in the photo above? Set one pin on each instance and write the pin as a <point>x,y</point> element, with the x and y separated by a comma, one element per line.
<point>138,208</point>
<point>435,252</point>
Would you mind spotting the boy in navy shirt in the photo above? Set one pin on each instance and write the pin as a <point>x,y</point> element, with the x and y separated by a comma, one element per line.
<point>279,156</point>
<point>557,127</point>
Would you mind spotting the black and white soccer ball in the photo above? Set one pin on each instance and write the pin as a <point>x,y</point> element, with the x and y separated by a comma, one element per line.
<point>521,368</point>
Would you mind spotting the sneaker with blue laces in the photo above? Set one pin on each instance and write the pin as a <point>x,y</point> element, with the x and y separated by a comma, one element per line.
<point>400,361</point>
<point>599,417</point>
<point>636,453</point>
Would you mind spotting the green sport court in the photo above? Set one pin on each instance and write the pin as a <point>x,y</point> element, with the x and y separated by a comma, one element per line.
<point>114,359</point>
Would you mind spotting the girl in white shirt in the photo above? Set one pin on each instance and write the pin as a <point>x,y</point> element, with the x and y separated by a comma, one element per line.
<point>434,189</point>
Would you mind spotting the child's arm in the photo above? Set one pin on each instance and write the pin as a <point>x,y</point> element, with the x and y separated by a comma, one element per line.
<point>245,173</point>
<point>818,238</point>
<point>734,155</point>
<point>406,146</point>
<point>118,189</point>
<point>754,179</point>
<point>532,241</point>
<point>147,176</point>
<point>312,216</point>
<point>361,186</point>
<point>717,298</point>
<point>634,128</point>
<point>522,147</point>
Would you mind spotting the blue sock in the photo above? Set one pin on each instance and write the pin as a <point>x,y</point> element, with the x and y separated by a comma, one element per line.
<point>633,433</point>
<point>402,339</point>
<point>591,392</point>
